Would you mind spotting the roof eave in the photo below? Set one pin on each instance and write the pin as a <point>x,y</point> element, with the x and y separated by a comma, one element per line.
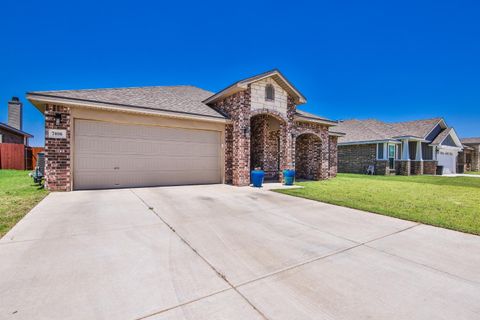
<point>321,121</point>
<point>336,134</point>
<point>414,138</point>
<point>39,102</point>
<point>15,130</point>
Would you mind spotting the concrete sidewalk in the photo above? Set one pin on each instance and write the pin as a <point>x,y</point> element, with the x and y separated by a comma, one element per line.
<point>222,252</point>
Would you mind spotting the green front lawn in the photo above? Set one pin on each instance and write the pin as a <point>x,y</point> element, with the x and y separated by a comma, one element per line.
<point>18,194</point>
<point>448,202</point>
<point>472,172</point>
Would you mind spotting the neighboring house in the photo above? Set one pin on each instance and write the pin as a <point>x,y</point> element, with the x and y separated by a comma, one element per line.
<point>12,132</point>
<point>404,148</point>
<point>470,157</point>
<point>173,135</point>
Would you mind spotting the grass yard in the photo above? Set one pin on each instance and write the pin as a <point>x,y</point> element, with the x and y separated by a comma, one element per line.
<point>448,202</point>
<point>473,172</point>
<point>18,194</point>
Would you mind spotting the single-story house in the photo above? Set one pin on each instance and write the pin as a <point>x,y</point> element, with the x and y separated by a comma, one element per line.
<point>173,135</point>
<point>470,157</point>
<point>12,132</point>
<point>403,148</point>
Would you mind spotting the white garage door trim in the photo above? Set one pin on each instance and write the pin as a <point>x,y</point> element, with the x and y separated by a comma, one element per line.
<point>119,155</point>
<point>447,159</point>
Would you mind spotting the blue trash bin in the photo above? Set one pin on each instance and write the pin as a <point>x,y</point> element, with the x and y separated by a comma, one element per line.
<point>288,177</point>
<point>257,178</point>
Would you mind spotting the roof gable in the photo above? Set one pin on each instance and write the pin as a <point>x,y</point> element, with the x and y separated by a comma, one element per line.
<point>447,137</point>
<point>243,85</point>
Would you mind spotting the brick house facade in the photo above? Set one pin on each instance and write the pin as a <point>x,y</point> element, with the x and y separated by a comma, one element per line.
<point>255,120</point>
<point>402,148</point>
<point>469,159</point>
<point>274,136</point>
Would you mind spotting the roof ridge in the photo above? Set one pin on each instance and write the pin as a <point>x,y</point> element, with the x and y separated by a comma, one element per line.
<point>119,88</point>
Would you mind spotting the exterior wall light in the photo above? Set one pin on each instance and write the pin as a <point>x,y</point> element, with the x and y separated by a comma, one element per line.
<point>58,118</point>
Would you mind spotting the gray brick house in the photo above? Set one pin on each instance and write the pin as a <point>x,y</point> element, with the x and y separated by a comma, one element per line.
<point>469,159</point>
<point>404,148</point>
<point>150,136</point>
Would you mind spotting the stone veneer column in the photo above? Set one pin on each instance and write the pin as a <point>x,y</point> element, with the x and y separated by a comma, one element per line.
<point>404,167</point>
<point>57,151</point>
<point>416,167</point>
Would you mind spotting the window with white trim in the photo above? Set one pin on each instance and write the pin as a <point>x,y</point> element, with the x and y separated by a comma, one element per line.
<point>380,151</point>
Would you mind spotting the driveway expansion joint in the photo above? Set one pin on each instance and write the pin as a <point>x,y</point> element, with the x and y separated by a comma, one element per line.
<point>222,276</point>
<point>328,256</point>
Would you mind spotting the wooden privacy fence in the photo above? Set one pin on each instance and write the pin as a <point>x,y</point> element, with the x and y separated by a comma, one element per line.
<point>18,156</point>
<point>35,151</point>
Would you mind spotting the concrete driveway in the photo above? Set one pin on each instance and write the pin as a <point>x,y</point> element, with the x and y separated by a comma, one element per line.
<point>221,252</point>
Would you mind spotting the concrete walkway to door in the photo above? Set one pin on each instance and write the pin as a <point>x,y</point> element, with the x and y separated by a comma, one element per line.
<point>222,252</point>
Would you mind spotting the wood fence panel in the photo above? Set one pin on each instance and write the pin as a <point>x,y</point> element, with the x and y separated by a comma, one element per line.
<point>35,151</point>
<point>12,156</point>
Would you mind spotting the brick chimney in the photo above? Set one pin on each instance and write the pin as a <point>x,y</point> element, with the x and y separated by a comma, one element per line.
<point>15,113</point>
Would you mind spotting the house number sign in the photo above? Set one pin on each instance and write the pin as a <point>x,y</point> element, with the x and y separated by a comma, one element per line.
<point>57,133</point>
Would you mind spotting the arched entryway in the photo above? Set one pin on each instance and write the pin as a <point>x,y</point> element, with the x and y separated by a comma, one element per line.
<point>308,156</point>
<point>265,144</point>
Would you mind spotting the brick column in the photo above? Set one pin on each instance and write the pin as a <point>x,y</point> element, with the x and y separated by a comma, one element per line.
<point>287,140</point>
<point>333,158</point>
<point>241,139</point>
<point>57,151</point>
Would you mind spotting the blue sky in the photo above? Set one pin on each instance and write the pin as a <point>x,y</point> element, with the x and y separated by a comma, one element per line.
<point>390,60</point>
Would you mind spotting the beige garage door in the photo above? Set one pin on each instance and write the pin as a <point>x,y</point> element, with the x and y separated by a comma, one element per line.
<point>110,155</point>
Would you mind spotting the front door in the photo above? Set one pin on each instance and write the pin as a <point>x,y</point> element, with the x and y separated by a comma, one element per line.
<point>391,156</point>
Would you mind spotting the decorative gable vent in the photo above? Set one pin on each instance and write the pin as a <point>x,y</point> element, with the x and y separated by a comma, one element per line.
<point>269,92</point>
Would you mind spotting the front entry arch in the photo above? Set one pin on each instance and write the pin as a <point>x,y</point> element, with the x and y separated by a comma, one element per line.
<point>308,157</point>
<point>265,144</point>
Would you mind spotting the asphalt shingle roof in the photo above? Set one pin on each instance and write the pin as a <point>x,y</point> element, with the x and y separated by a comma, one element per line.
<point>182,99</point>
<point>375,130</point>
<point>475,140</point>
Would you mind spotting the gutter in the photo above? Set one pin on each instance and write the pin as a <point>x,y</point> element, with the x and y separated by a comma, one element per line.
<point>369,142</point>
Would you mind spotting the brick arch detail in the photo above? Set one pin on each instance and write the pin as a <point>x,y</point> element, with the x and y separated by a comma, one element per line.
<point>306,132</point>
<point>277,115</point>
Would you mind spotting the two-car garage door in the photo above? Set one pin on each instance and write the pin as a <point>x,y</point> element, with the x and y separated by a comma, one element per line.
<point>111,155</point>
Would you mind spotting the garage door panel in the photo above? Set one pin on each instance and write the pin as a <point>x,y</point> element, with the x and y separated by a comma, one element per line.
<point>105,159</point>
<point>138,132</point>
<point>104,145</point>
